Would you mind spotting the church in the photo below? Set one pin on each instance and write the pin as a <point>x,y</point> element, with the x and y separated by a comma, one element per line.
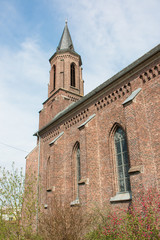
<point>101,147</point>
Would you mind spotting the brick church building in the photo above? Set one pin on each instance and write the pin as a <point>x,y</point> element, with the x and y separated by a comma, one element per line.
<point>101,147</point>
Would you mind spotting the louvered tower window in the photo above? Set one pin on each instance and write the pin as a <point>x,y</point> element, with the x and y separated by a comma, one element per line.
<point>73,82</point>
<point>122,160</point>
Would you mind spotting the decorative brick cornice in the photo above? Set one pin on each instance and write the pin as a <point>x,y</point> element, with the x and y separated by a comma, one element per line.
<point>76,119</point>
<point>112,97</point>
<point>73,99</point>
<point>65,54</point>
<point>51,134</point>
<point>150,74</point>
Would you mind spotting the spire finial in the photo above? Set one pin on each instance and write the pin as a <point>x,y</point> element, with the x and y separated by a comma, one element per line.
<point>66,21</point>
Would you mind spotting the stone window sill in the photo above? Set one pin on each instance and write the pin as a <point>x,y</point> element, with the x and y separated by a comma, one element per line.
<point>121,197</point>
<point>83,181</point>
<point>74,88</point>
<point>45,206</point>
<point>136,169</point>
<point>75,203</point>
<point>51,189</point>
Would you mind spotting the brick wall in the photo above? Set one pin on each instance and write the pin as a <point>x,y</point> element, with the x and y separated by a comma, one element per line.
<point>138,117</point>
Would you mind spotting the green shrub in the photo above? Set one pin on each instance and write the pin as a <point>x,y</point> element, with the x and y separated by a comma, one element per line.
<point>12,196</point>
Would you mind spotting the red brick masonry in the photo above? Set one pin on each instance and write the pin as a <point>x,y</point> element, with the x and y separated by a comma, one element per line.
<point>131,100</point>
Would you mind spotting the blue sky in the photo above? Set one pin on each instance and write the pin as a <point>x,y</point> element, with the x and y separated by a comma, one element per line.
<point>108,34</point>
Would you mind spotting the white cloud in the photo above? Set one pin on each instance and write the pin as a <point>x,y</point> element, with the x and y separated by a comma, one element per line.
<point>110,34</point>
<point>23,86</point>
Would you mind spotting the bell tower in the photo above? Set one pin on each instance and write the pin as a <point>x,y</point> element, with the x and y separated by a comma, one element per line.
<point>66,83</point>
<point>66,72</point>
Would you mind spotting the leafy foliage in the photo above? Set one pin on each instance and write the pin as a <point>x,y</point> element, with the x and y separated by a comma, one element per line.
<point>12,195</point>
<point>140,222</point>
<point>11,192</point>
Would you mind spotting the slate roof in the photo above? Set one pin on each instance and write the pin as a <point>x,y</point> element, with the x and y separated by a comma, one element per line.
<point>66,45</point>
<point>65,41</point>
<point>84,99</point>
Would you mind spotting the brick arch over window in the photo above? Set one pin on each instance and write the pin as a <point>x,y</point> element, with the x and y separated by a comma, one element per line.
<point>73,74</point>
<point>121,158</point>
<point>76,170</point>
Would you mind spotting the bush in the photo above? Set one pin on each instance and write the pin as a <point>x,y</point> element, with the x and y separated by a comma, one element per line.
<point>12,196</point>
<point>140,222</point>
<point>62,222</point>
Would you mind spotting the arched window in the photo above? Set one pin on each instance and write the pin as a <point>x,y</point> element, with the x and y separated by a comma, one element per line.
<point>73,82</point>
<point>54,77</point>
<point>76,170</point>
<point>122,160</point>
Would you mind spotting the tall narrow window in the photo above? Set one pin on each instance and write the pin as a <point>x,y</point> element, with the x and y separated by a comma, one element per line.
<point>76,171</point>
<point>54,77</point>
<point>78,164</point>
<point>122,160</point>
<point>48,173</point>
<point>73,82</point>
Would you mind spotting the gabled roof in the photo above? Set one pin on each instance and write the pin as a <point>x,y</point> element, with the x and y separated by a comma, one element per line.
<point>66,41</point>
<point>98,89</point>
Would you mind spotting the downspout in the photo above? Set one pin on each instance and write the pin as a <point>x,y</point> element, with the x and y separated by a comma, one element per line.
<point>37,205</point>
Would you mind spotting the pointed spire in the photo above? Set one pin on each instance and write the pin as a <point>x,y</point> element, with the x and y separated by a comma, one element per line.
<point>66,41</point>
